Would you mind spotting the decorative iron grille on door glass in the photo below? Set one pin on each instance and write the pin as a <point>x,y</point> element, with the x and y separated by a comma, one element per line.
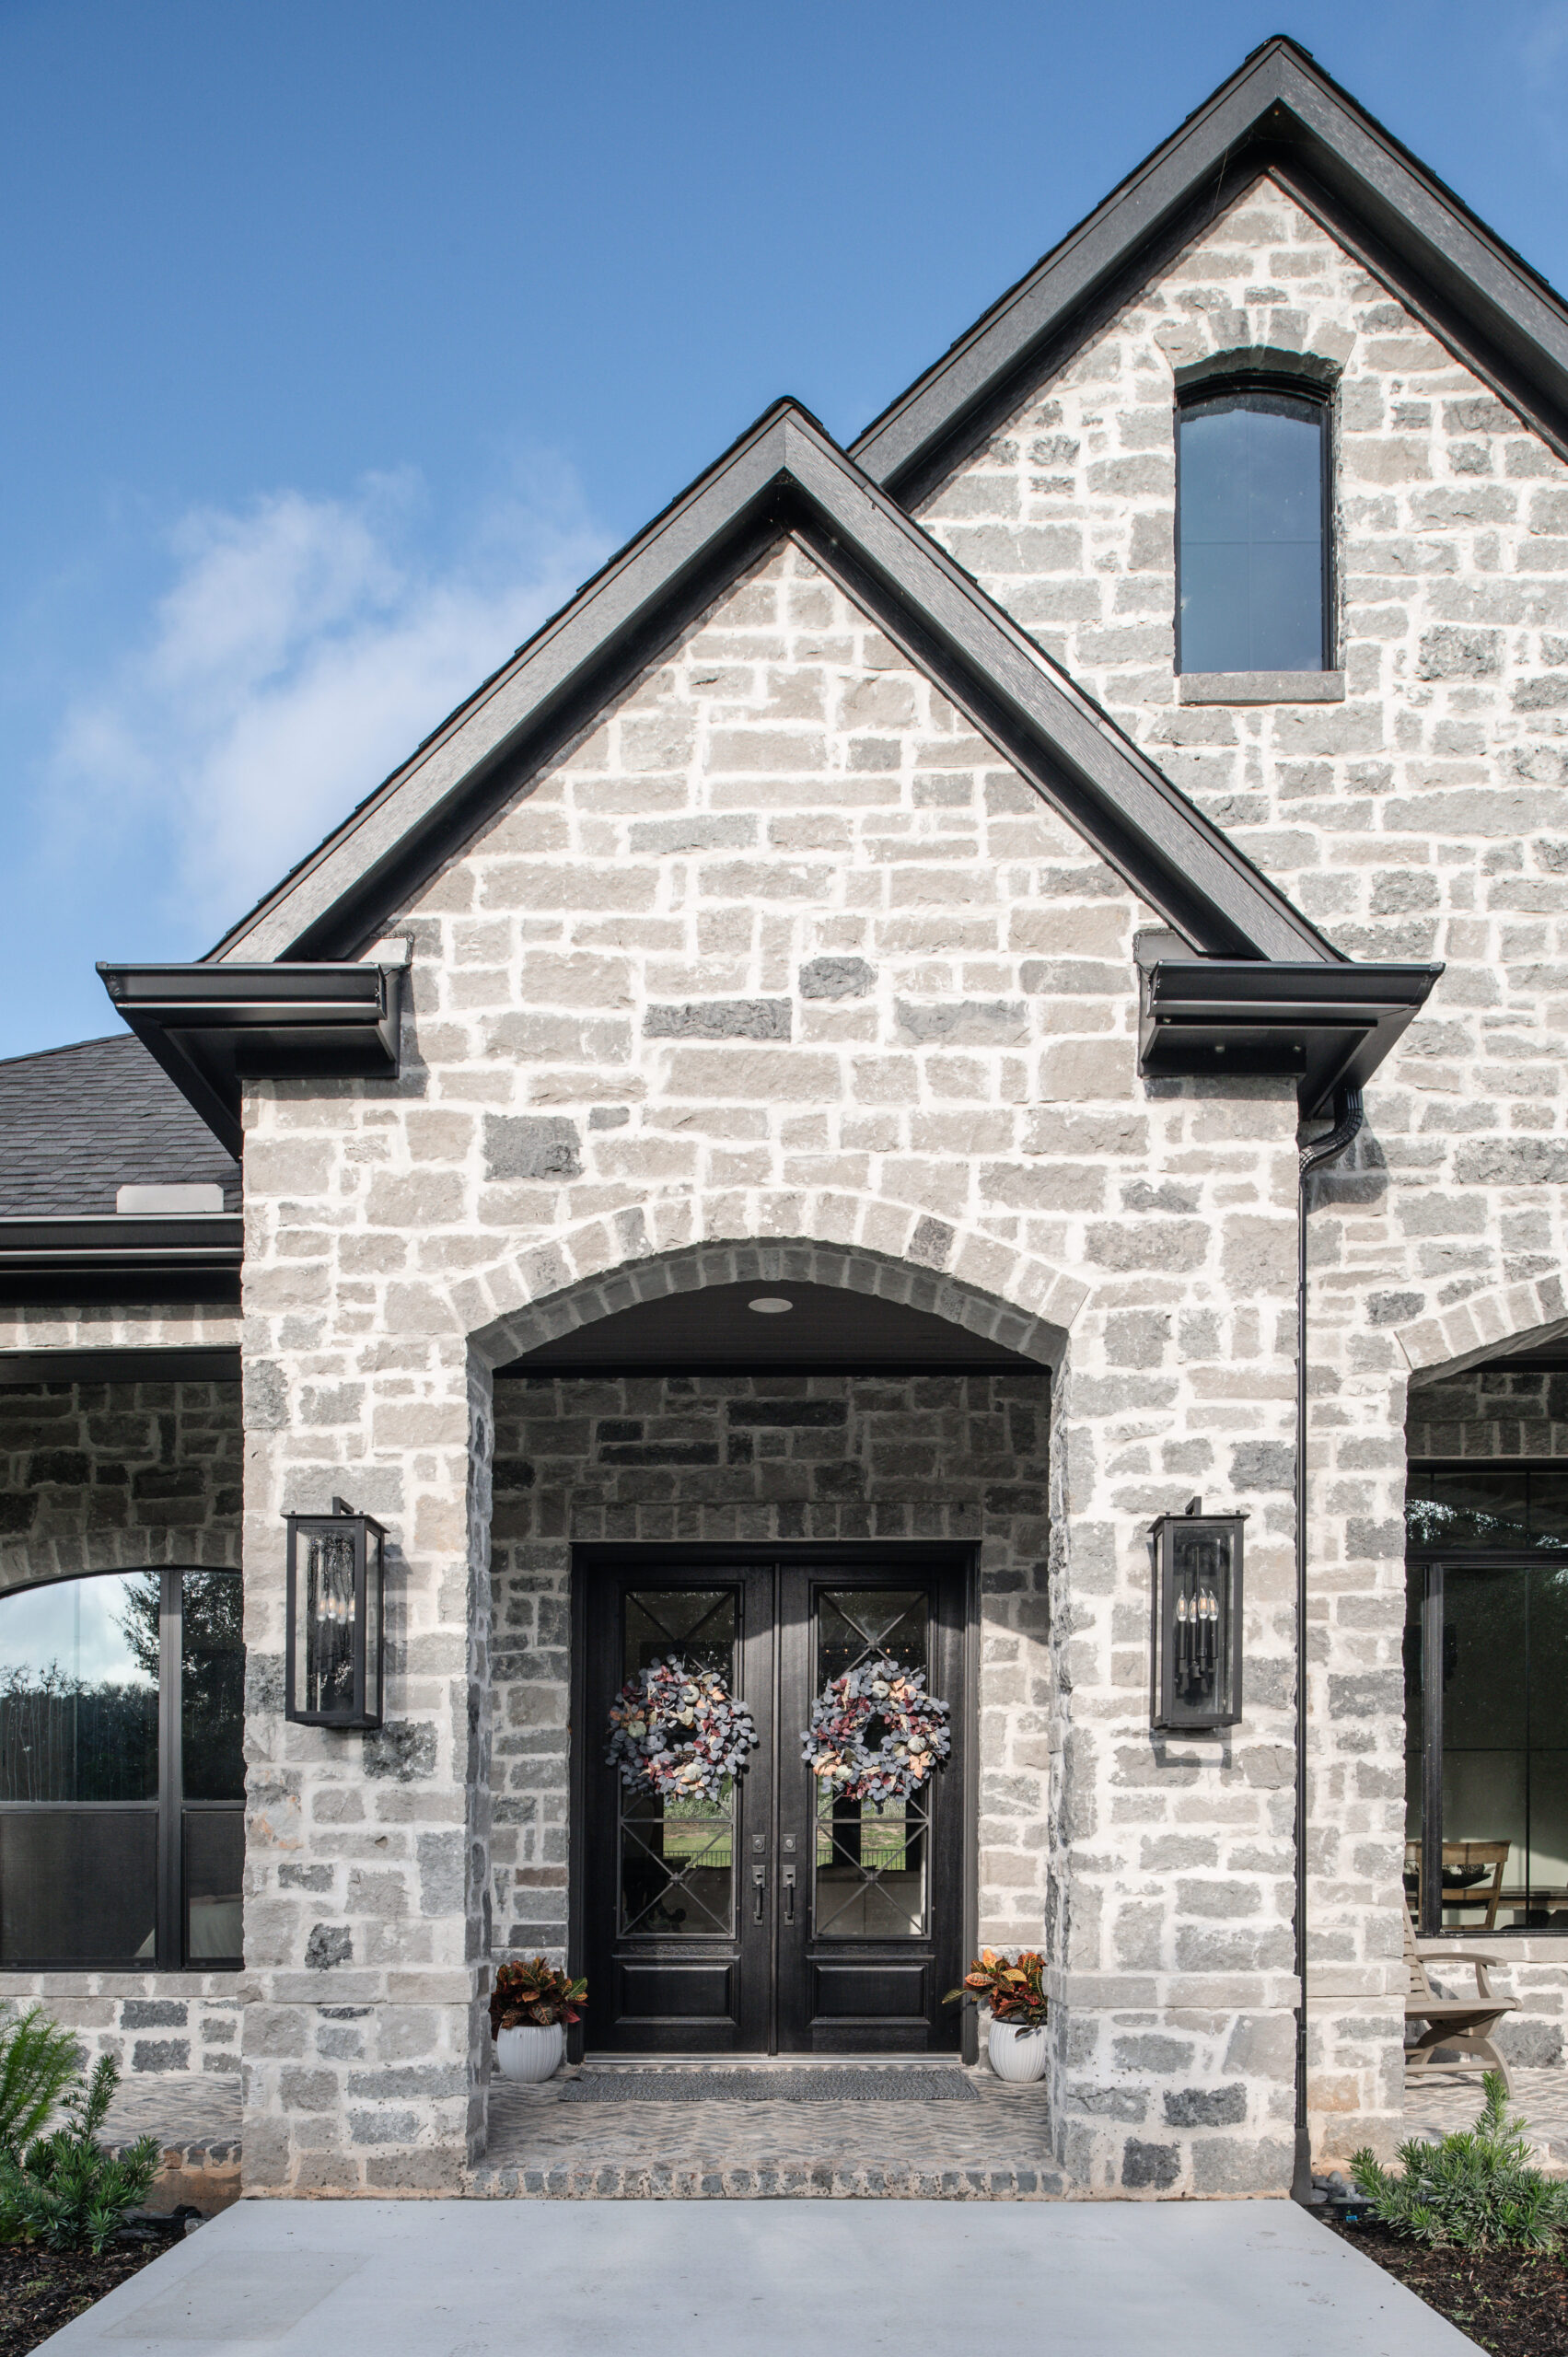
<point>122,1772</point>
<point>871,1856</point>
<point>677,1856</point>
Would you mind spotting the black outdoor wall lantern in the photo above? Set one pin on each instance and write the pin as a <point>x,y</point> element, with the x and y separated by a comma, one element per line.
<point>1197,1619</point>
<point>334,1648</point>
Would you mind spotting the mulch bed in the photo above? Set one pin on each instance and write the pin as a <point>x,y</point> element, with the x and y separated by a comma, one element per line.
<point>42,2290</point>
<point>1513,2304</point>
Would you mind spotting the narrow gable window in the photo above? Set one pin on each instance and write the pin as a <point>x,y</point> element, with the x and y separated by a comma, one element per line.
<point>1253,530</point>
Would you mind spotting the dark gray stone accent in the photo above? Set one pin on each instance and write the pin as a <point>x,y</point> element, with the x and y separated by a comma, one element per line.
<point>1154,2166</point>
<point>329,1943</point>
<point>153,2013</point>
<point>403,1750</point>
<point>1205,2107</point>
<point>836,977</point>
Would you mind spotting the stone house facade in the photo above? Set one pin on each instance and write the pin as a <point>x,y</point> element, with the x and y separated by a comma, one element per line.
<point>853,902</point>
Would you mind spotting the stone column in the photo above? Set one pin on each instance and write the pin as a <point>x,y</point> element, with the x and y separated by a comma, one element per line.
<point>1172,1856</point>
<point>365,1935</point>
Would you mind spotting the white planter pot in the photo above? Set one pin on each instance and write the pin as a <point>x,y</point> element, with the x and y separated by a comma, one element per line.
<point>528,2053</point>
<point>1015,2052</point>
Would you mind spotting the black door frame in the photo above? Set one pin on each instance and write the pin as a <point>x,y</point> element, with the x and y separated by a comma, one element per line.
<point>590,1556</point>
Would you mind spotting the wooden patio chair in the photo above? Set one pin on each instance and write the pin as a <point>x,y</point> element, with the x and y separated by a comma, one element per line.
<point>1463,2025</point>
<point>1465,1857</point>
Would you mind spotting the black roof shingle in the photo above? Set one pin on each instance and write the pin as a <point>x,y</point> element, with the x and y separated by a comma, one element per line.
<point>77,1122</point>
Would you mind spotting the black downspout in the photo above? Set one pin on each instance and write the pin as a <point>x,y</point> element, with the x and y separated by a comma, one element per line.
<point>1348,1116</point>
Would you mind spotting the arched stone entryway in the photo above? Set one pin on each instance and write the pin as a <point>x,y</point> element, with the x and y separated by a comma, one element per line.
<point>858,1463</point>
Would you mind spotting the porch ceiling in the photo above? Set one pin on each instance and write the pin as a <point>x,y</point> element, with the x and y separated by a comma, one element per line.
<point>712,1329</point>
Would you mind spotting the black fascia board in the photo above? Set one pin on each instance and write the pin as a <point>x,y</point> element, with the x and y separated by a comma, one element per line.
<point>158,1363</point>
<point>1323,1026</point>
<point>114,1258</point>
<point>788,475</point>
<point>112,1239</point>
<point>544,1369</point>
<point>1279,113</point>
<point>212,1027</point>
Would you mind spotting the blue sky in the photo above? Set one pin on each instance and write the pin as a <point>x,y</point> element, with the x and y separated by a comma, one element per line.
<point>344,340</point>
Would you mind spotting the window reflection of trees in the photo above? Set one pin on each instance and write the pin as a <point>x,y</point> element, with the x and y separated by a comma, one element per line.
<point>65,1737</point>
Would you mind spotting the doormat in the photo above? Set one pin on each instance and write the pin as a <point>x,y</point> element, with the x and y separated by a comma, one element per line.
<point>770,2086</point>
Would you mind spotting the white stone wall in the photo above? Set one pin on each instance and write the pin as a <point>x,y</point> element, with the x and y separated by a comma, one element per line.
<point>779,956</point>
<point>1423,816</point>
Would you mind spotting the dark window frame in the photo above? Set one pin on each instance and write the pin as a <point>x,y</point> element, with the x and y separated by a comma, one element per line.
<point>170,1809</point>
<point>1433,1558</point>
<point>1203,394</point>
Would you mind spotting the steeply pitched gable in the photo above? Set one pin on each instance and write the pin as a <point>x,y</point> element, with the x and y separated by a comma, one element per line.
<point>1280,114</point>
<point>786,475</point>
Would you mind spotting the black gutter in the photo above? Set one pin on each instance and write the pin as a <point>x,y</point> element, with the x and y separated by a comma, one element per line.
<point>212,1028</point>
<point>116,1257</point>
<point>113,1239</point>
<point>1349,1115</point>
<point>1327,1027</point>
<point>159,1362</point>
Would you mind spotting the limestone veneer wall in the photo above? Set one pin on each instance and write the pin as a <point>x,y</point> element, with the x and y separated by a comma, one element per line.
<point>1425,817</point>
<point>1485,1412</point>
<point>775,1457</point>
<point>778,955</point>
<point>118,1476</point>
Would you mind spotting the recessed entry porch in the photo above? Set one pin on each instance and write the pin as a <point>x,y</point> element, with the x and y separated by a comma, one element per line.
<point>775,1479</point>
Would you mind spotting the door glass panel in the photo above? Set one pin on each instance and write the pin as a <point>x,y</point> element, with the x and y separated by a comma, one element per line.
<point>677,1856</point>
<point>78,1691</point>
<point>870,1857</point>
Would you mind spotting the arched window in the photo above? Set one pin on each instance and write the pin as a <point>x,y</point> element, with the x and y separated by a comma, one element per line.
<point>1254,556</point>
<point>122,1772</point>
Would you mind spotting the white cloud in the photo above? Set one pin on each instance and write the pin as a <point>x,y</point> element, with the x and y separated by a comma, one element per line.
<point>301,653</point>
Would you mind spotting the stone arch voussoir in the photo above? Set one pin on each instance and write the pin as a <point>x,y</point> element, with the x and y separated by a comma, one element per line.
<point>860,1242</point>
<point>1522,1316</point>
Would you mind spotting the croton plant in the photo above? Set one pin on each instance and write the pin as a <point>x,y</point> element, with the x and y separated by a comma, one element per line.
<point>534,1993</point>
<point>1010,1985</point>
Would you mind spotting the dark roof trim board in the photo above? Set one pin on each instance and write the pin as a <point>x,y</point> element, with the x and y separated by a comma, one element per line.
<point>212,1027</point>
<point>174,1362</point>
<point>1327,1030</point>
<point>114,1257</point>
<point>786,475</point>
<point>1279,113</point>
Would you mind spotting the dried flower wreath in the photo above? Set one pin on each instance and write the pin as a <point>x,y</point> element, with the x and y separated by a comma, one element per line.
<point>678,1732</point>
<point>914,1735</point>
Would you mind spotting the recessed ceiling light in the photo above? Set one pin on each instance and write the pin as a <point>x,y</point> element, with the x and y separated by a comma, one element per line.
<point>770,1304</point>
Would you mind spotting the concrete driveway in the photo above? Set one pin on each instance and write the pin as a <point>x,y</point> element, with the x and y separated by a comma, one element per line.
<point>761,2279</point>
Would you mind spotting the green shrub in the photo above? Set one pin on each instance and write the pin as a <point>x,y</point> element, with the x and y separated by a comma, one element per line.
<point>38,2061</point>
<point>1476,2189</point>
<point>65,2191</point>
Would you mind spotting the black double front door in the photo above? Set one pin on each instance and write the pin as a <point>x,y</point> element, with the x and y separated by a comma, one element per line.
<point>778,1919</point>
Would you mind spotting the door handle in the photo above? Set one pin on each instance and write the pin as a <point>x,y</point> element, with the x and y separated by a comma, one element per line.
<point>789,1894</point>
<point>759,1892</point>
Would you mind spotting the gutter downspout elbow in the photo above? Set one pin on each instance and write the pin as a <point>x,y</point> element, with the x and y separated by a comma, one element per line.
<point>1349,1115</point>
